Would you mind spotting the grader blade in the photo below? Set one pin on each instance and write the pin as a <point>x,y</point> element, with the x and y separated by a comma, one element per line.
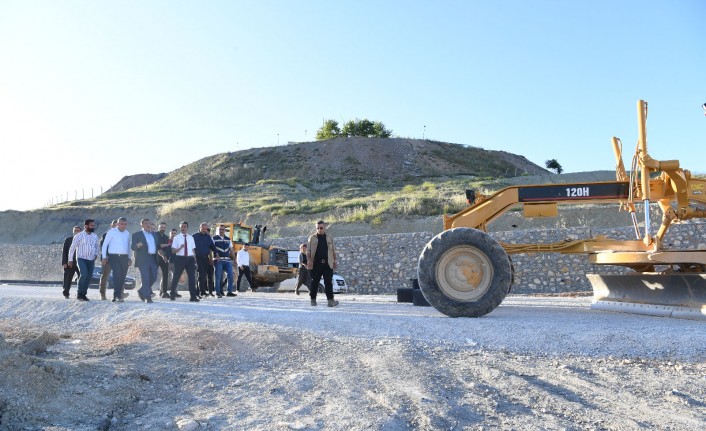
<point>679,295</point>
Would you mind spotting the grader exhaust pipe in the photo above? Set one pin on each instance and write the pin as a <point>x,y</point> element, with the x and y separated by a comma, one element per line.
<point>464,272</point>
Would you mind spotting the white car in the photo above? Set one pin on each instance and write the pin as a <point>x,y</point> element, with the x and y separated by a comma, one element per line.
<point>339,285</point>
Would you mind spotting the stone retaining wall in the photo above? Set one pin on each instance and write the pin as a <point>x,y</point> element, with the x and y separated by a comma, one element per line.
<point>379,264</point>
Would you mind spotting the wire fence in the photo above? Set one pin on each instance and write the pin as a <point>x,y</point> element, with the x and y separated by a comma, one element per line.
<point>77,195</point>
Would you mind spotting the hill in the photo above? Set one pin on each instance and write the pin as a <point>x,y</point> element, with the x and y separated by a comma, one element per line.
<point>391,160</point>
<point>361,186</point>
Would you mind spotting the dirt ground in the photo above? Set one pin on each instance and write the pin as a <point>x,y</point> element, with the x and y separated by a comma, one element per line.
<point>266,361</point>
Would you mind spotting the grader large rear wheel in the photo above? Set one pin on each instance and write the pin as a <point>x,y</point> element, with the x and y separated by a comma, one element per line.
<point>463,272</point>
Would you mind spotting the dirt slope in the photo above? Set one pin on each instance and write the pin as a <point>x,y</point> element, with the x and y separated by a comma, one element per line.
<point>355,158</point>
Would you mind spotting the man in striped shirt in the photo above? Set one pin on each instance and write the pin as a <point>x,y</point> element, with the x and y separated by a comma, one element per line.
<point>85,244</point>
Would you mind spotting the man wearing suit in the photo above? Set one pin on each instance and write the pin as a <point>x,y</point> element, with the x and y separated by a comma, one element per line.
<point>69,271</point>
<point>145,245</point>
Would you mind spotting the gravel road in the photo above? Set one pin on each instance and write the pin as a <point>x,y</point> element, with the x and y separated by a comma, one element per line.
<point>266,361</point>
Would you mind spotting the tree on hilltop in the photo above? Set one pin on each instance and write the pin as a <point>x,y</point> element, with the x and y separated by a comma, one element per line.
<point>364,128</point>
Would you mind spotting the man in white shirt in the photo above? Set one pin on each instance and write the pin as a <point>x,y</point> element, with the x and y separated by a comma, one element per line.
<point>116,251</point>
<point>243,260</point>
<point>85,244</point>
<point>183,252</point>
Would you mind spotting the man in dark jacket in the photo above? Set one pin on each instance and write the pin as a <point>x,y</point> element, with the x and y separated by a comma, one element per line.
<point>163,252</point>
<point>321,261</point>
<point>145,244</point>
<point>204,261</point>
<point>69,271</point>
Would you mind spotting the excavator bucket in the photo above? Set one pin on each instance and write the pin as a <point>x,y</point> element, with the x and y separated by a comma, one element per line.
<point>679,295</point>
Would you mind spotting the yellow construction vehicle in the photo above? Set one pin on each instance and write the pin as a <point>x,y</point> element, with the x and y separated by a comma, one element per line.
<point>268,264</point>
<point>464,272</point>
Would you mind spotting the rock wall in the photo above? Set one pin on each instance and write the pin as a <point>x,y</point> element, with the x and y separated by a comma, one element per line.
<point>374,264</point>
<point>379,264</point>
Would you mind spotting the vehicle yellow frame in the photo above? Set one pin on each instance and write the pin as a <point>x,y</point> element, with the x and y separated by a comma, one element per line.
<point>650,181</point>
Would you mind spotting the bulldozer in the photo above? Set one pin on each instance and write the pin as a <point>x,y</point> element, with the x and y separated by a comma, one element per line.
<point>269,265</point>
<point>464,272</point>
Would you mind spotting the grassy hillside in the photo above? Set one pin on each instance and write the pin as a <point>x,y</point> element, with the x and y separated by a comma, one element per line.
<point>358,184</point>
<point>348,179</point>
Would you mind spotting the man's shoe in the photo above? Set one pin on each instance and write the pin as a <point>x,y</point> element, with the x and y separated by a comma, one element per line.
<point>66,296</point>
<point>177,295</point>
<point>164,295</point>
<point>218,295</point>
<point>148,300</point>
<point>194,299</point>
<point>82,298</point>
<point>125,295</point>
<point>142,298</point>
<point>332,303</point>
<point>297,292</point>
<point>118,300</point>
<point>313,302</point>
<point>172,298</point>
<point>103,298</point>
<point>211,294</point>
<point>231,294</point>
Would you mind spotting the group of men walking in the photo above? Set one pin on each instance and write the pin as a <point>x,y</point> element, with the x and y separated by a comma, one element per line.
<point>179,253</point>
<point>152,251</point>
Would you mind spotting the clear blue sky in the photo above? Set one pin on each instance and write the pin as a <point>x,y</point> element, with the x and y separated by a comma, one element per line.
<point>92,91</point>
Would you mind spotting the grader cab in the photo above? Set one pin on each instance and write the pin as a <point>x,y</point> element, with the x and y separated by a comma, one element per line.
<point>464,272</point>
<point>269,265</point>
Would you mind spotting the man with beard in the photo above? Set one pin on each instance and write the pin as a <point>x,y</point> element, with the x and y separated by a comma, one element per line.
<point>85,244</point>
<point>321,261</point>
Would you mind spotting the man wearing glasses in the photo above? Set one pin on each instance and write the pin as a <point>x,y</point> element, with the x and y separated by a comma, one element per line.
<point>321,261</point>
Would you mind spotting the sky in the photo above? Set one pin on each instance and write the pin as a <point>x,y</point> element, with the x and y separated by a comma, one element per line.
<point>93,91</point>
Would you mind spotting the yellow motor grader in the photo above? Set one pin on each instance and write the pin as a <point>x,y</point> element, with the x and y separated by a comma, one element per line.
<point>464,272</point>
